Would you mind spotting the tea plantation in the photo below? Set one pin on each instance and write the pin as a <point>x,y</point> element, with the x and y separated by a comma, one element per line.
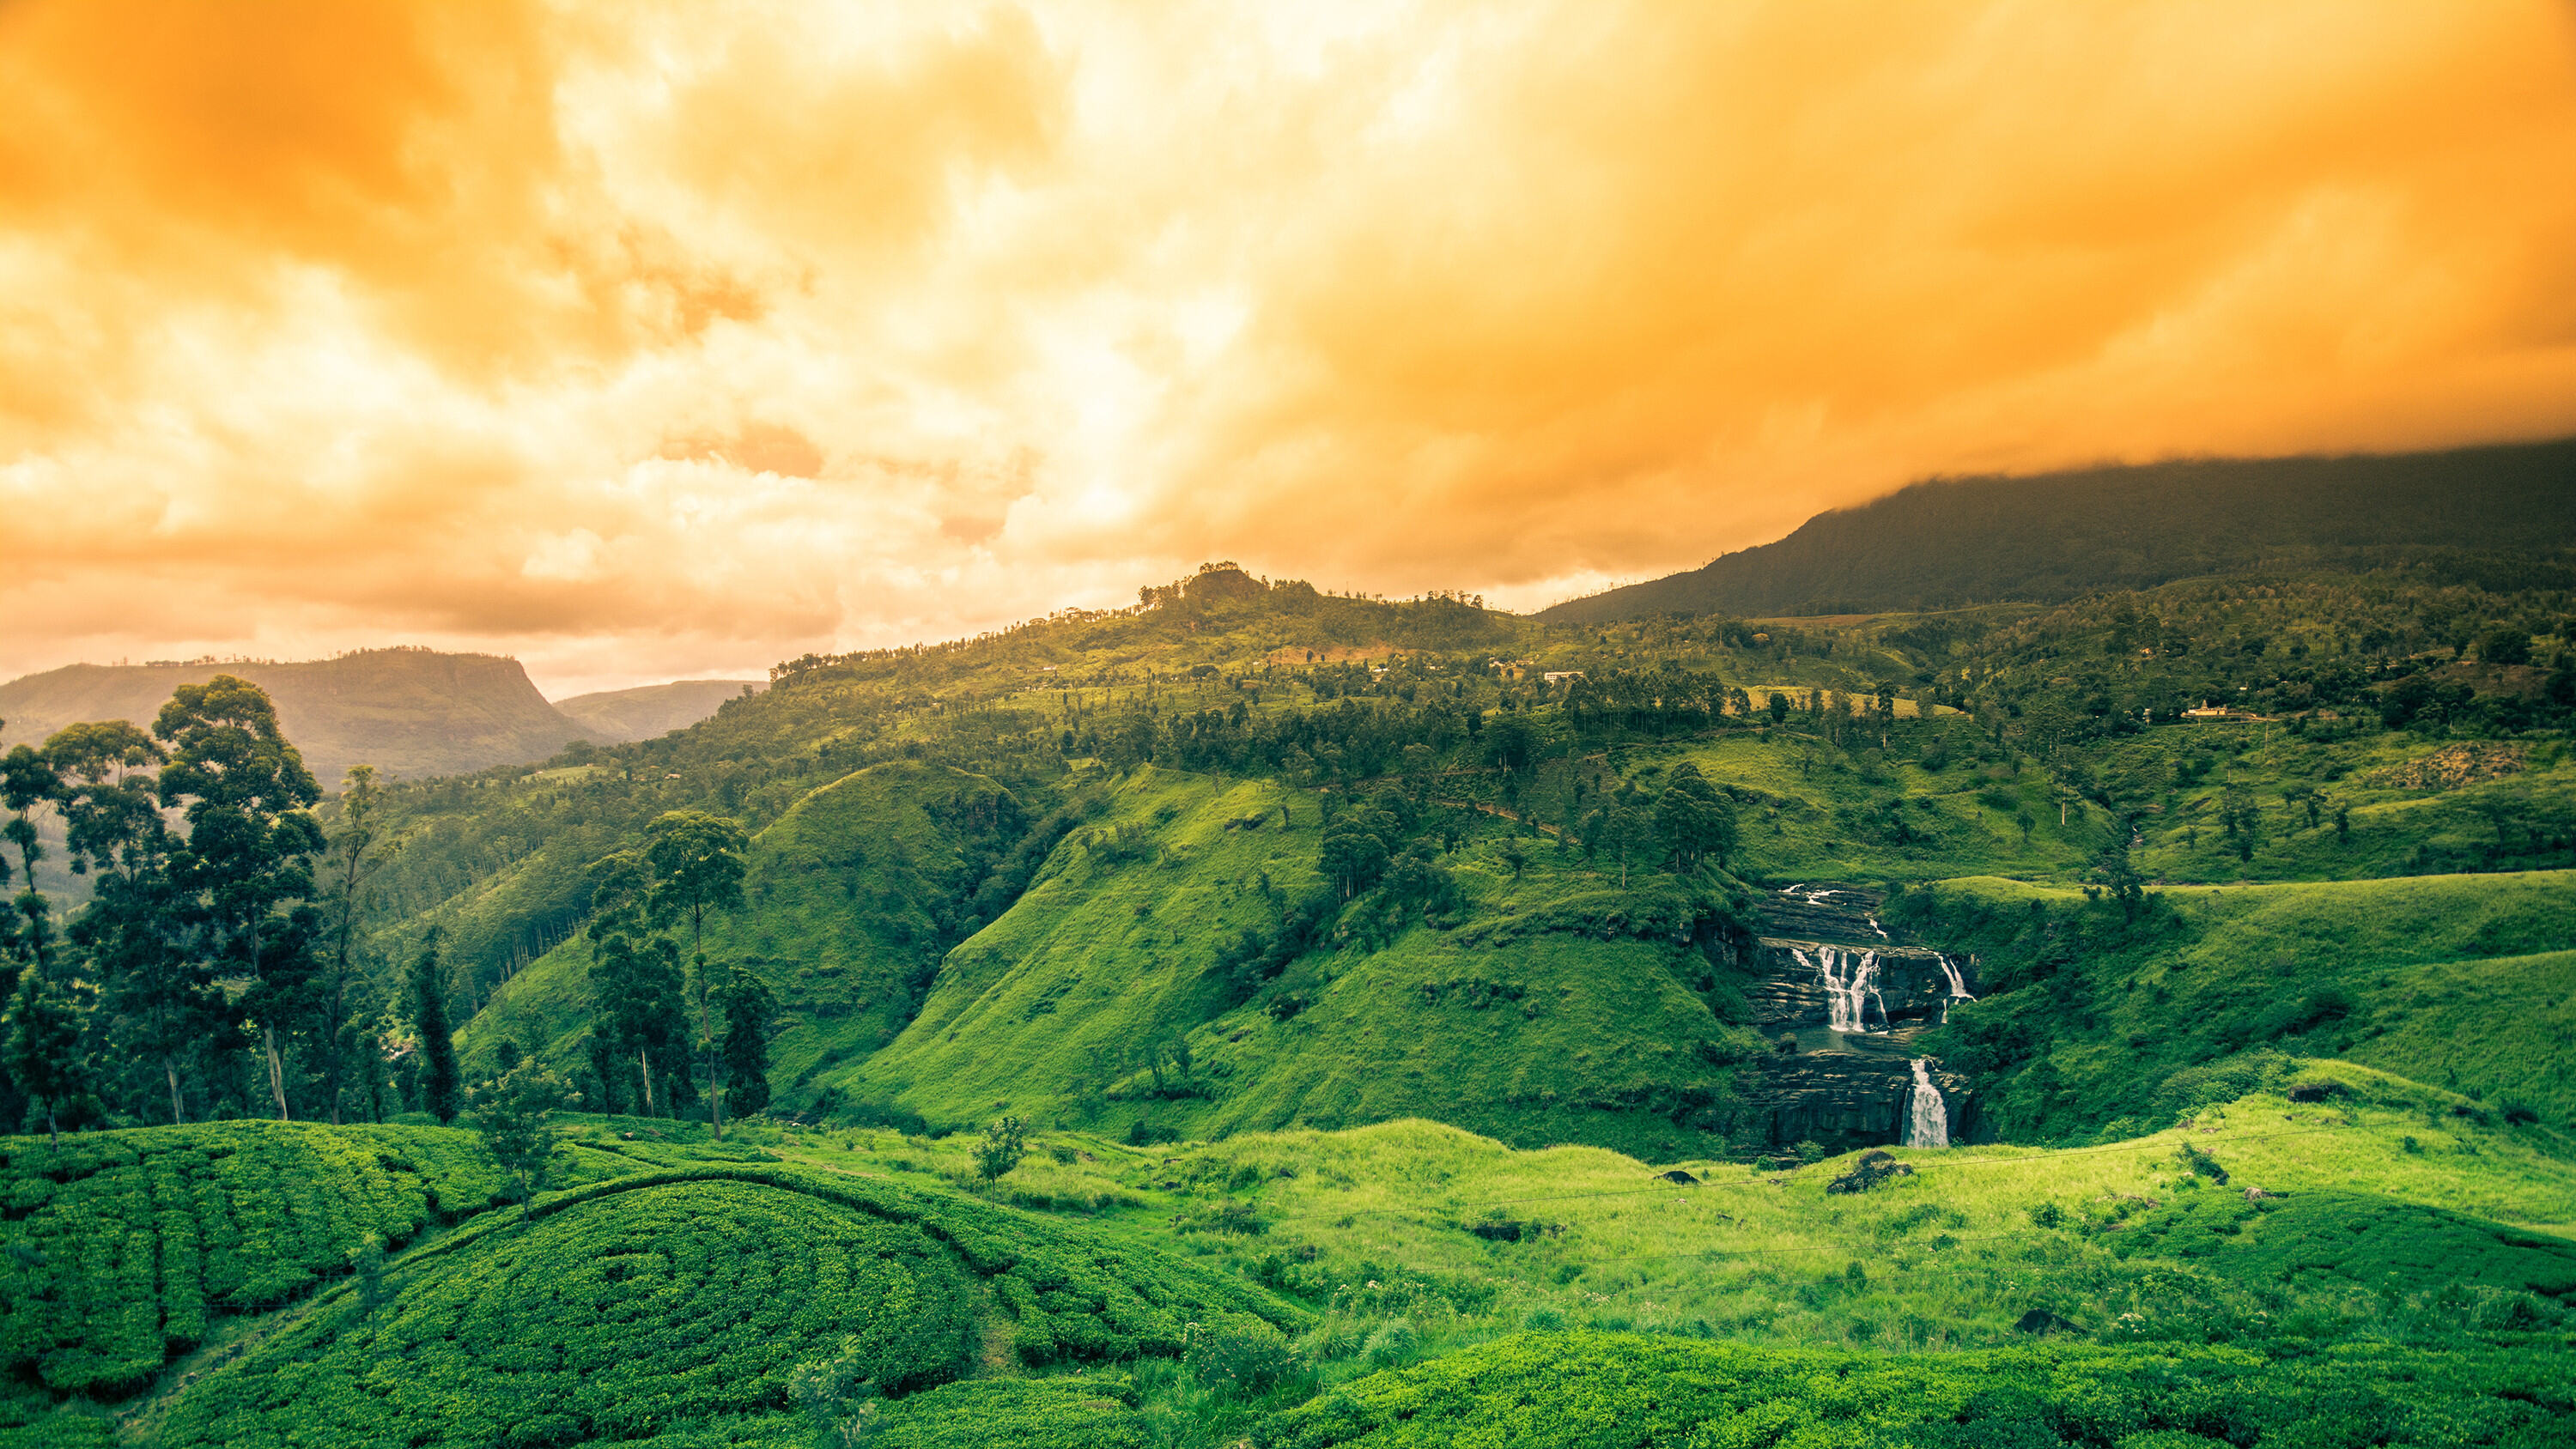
<point>1622,1391</point>
<point>673,1300</point>
<point>117,1248</point>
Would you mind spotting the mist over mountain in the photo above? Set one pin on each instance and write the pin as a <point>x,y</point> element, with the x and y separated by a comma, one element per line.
<point>2056,536</point>
<point>408,712</point>
<point>649,710</point>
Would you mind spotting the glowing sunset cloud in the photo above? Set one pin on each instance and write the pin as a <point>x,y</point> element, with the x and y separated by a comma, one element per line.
<point>652,341</point>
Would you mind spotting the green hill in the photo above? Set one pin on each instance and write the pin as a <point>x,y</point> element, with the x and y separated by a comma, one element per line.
<point>1948,542</point>
<point>855,894</point>
<point>1158,969</point>
<point>2093,1021</point>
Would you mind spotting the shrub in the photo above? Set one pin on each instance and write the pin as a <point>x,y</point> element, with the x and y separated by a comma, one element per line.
<point>1244,1357</point>
<point>1394,1342</point>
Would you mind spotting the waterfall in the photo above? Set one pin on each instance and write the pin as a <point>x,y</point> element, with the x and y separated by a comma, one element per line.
<point>1875,926</point>
<point>1958,987</point>
<point>1849,980</point>
<point>1927,1121</point>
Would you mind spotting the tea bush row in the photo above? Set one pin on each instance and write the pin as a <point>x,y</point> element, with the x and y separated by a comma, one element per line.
<point>117,1247</point>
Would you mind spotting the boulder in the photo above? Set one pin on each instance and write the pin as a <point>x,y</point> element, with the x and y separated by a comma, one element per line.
<point>1873,1168</point>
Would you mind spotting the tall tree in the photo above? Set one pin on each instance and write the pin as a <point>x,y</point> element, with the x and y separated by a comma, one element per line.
<point>251,836</point>
<point>354,857</point>
<point>1695,819</point>
<point>695,861</point>
<point>160,1004</point>
<point>29,779</point>
<point>44,1045</point>
<point>442,1085</point>
<point>638,1013</point>
<point>747,1006</point>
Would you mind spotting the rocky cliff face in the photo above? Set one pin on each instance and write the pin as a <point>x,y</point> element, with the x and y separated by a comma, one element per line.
<point>1850,997</point>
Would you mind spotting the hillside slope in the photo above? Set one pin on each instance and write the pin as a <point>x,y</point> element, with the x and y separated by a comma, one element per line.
<point>2059,535</point>
<point>855,893</point>
<point>1133,981</point>
<point>653,710</point>
<point>406,711</point>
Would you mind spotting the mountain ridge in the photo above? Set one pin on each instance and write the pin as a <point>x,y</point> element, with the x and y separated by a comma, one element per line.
<point>2050,537</point>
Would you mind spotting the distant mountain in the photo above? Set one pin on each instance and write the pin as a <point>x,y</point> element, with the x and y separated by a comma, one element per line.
<point>406,711</point>
<point>654,710</point>
<point>2056,536</point>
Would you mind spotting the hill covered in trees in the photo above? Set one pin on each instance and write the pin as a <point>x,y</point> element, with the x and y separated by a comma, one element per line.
<point>2502,517</point>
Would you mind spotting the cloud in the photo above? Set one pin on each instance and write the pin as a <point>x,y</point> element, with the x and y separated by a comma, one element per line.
<point>683,339</point>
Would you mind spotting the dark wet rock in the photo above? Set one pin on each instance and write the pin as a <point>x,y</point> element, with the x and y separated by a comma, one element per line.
<point>1873,1168</point>
<point>1676,1176</point>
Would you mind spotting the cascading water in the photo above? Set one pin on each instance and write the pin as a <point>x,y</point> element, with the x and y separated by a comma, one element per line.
<point>1927,1120</point>
<point>1850,980</point>
<point>1958,987</point>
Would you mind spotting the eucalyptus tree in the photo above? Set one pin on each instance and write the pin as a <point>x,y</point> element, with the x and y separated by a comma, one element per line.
<point>251,840</point>
<point>695,863</point>
<point>29,779</point>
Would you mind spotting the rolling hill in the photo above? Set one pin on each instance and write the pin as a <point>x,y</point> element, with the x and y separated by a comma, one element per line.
<point>650,710</point>
<point>2056,536</point>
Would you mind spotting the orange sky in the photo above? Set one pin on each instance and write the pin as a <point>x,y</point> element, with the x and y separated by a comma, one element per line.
<point>645,342</point>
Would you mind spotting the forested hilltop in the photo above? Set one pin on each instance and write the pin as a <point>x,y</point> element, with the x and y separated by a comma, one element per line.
<point>2503,517</point>
<point>1215,1018</point>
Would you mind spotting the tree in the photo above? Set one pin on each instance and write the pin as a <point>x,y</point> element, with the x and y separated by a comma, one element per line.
<point>1624,827</point>
<point>747,1006</point>
<point>1695,820</point>
<point>442,1085</point>
<point>1352,856</point>
<point>44,1045</point>
<point>250,837</point>
<point>2116,871</point>
<point>354,858</point>
<point>510,1116</point>
<point>2242,821</point>
<point>1778,708</point>
<point>1004,1143</point>
<point>28,779</point>
<point>696,866</point>
<point>636,985</point>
